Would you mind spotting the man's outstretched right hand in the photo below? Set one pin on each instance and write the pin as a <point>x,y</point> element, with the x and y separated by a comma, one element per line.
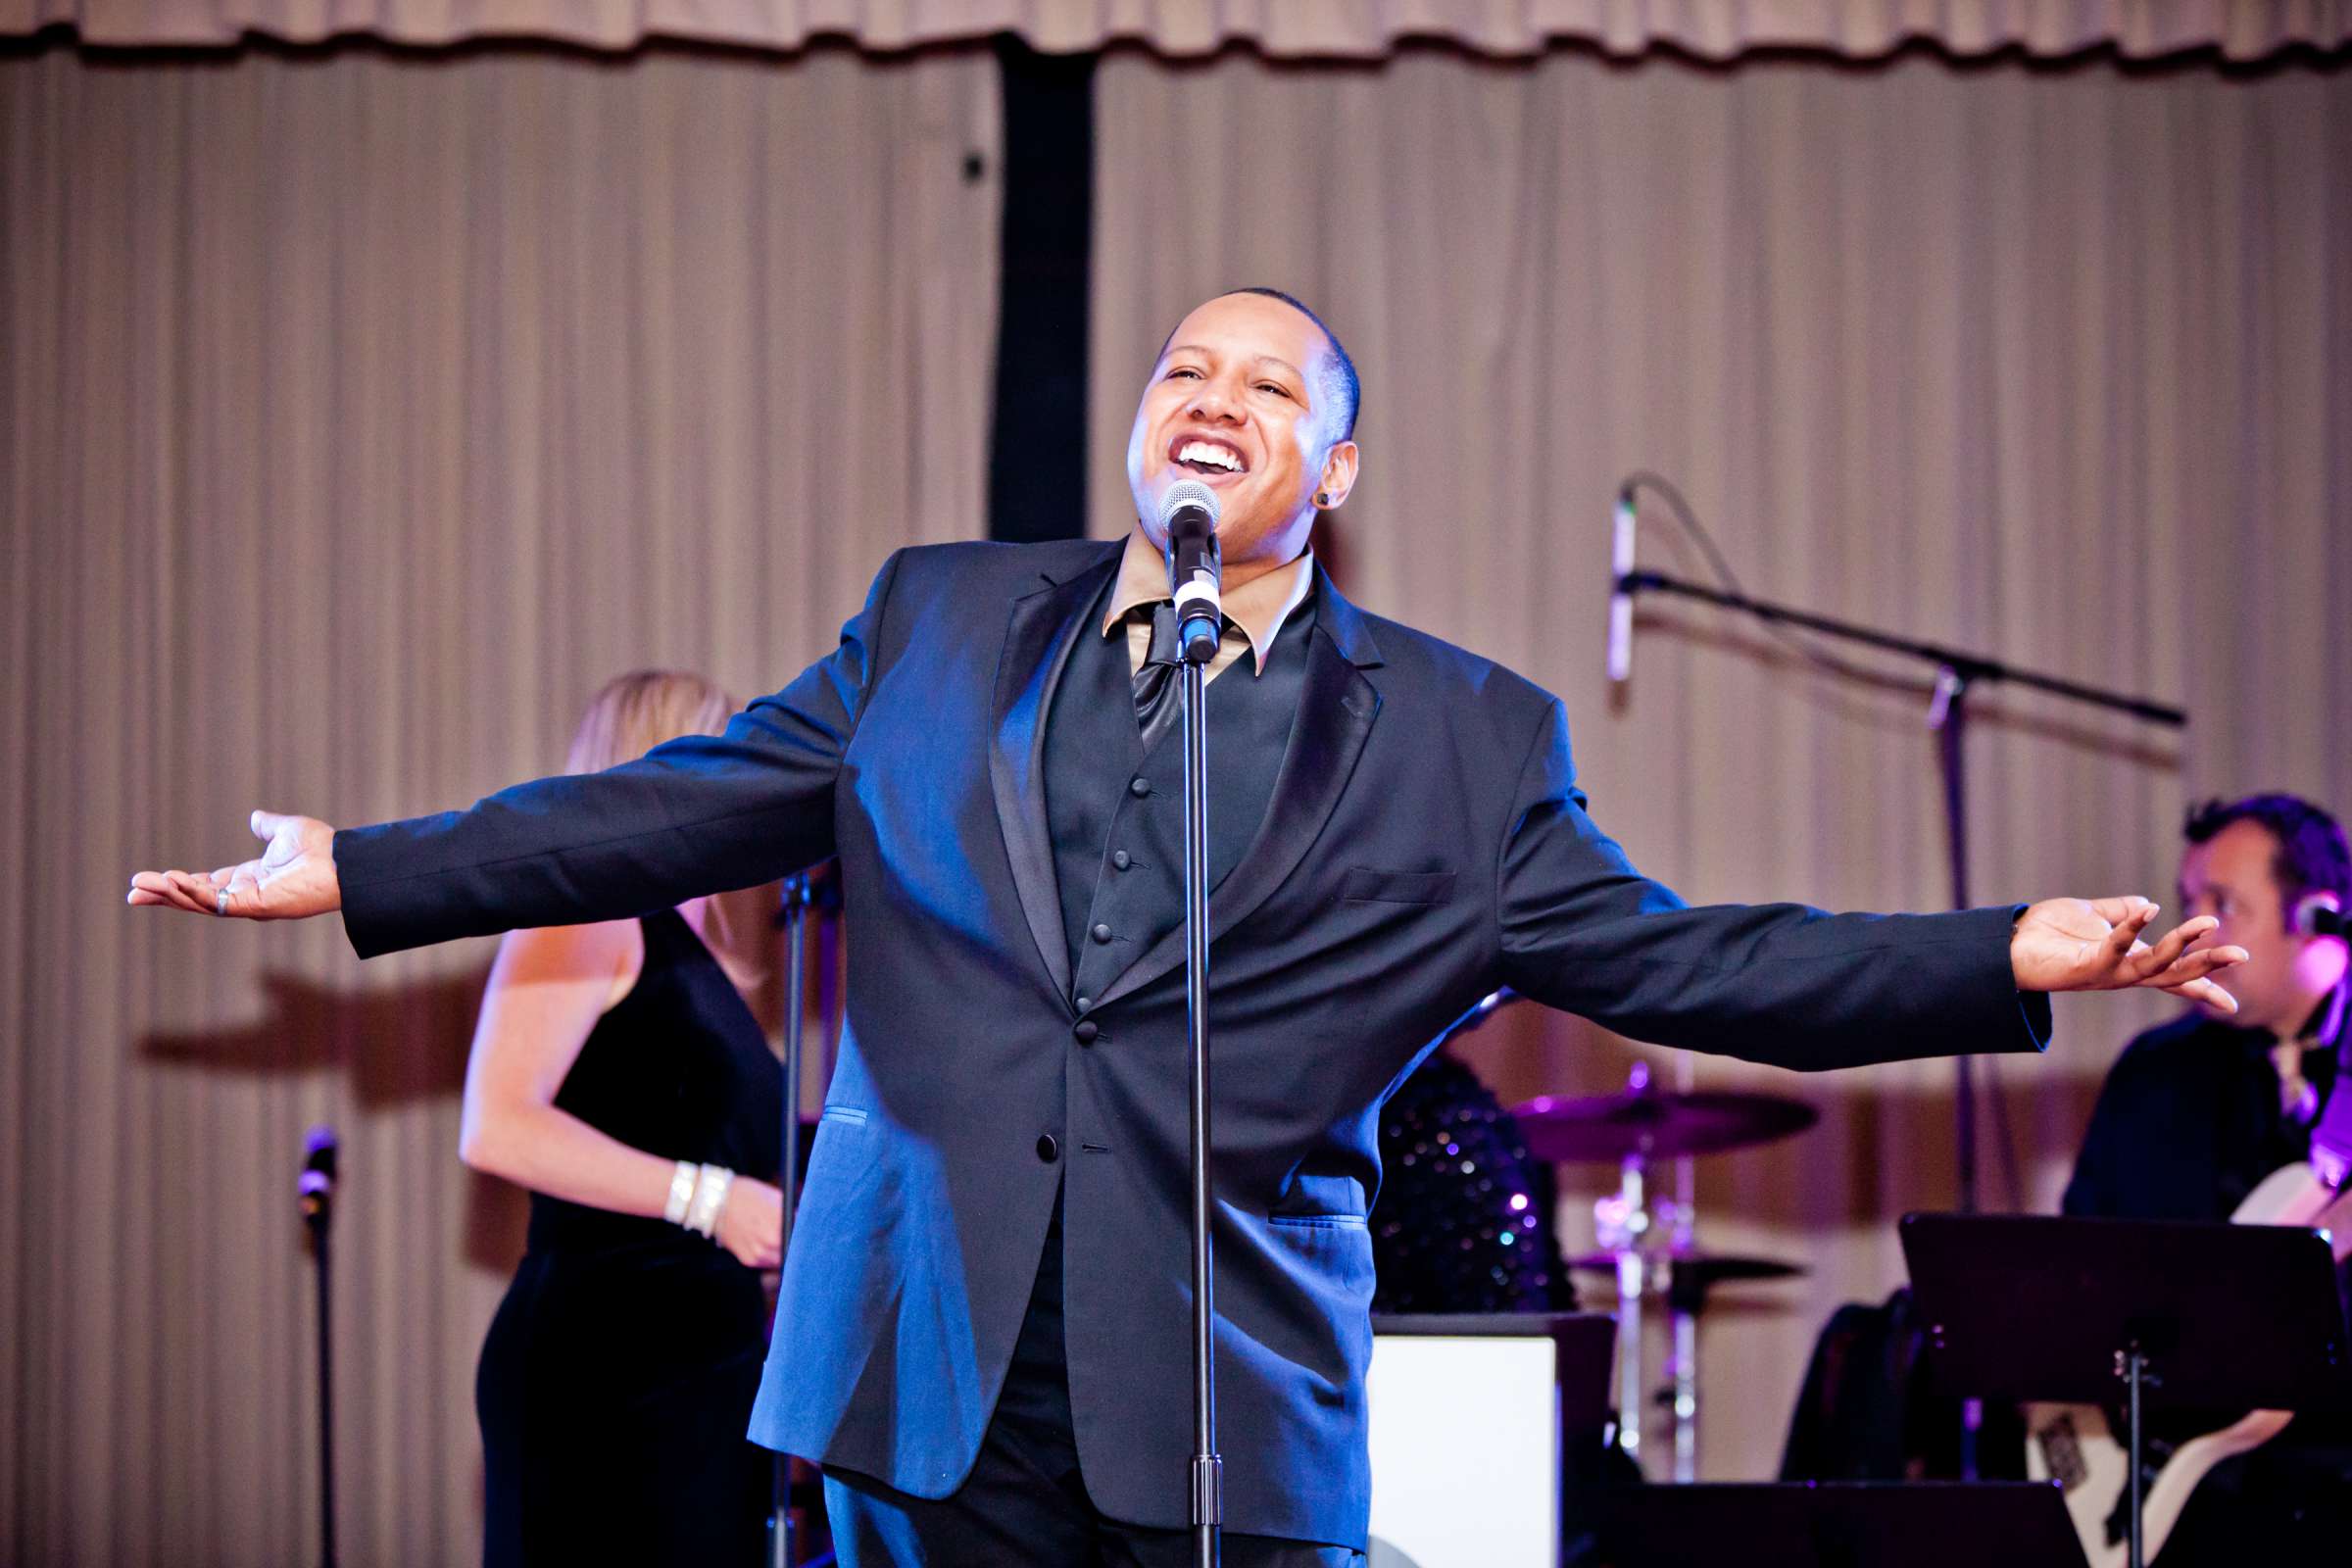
<point>295,876</point>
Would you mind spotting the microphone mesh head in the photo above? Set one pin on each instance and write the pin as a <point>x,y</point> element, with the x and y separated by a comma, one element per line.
<point>1186,493</point>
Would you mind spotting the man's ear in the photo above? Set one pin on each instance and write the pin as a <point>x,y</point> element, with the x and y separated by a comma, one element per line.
<point>1339,476</point>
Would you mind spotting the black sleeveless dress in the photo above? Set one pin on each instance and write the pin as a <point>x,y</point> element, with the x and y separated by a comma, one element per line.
<point>617,1382</point>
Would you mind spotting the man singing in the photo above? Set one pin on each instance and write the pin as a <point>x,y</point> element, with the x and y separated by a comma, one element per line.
<point>983,1327</point>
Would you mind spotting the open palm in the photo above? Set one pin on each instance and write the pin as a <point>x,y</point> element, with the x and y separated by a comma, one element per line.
<point>293,877</point>
<point>2096,945</point>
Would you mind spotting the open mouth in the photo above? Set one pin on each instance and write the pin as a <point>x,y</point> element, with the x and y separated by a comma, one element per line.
<point>1208,457</point>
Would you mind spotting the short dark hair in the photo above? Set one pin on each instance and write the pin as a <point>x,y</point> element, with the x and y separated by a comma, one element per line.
<point>1339,381</point>
<point>1343,382</point>
<point>2311,858</point>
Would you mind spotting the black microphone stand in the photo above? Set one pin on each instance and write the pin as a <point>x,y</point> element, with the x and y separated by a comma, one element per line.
<point>1207,1470</point>
<point>1957,673</point>
<point>317,1202</point>
<point>797,894</point>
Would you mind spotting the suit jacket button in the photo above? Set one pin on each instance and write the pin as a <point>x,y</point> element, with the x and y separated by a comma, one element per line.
<point>1101,933</point>
<point>1121,859</point>
<point>1139,786</point>
<point>1086,1029</point>
<point>1047,1148</point>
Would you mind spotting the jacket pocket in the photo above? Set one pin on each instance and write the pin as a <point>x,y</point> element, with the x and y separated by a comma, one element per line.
<point>1321,1200</point>
<point>1365,884</point>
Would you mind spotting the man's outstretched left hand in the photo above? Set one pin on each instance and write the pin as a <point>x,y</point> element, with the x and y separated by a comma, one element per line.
<point>2095,944</point>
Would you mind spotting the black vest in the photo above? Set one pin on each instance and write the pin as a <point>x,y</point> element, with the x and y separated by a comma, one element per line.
<point>1116,814</point>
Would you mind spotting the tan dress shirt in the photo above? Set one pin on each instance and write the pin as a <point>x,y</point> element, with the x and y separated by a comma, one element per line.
<point>1254,612</point>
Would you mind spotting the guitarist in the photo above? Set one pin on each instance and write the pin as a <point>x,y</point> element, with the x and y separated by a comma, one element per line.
<point>2198,1112</point>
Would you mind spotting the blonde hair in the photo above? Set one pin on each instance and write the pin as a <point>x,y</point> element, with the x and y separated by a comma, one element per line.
<point>637,712</point>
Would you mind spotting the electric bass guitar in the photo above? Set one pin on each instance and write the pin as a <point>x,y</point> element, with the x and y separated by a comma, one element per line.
<point>2072,1444</point>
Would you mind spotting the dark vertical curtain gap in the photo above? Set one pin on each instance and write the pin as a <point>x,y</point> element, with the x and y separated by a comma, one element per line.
<point>1036,440</point>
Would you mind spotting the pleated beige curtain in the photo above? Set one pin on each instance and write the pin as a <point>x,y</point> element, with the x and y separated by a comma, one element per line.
<point>1296,29</point>
<point>359,414</point>
<point>2051,364</point>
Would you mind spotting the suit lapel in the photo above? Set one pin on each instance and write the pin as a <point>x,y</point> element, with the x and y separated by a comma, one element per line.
<point>1336,710</point>
<point>1044,628</point>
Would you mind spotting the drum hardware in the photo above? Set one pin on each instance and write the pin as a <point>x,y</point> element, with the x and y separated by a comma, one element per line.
<point>1646,1239</point>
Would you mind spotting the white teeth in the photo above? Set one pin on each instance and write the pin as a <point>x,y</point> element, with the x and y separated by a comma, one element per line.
<point>1204,452</point>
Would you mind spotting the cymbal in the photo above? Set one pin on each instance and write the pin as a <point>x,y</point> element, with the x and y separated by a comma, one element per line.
<point>1689,1276</point>
<point>1658,1126</point>
<point>1708,1269</point>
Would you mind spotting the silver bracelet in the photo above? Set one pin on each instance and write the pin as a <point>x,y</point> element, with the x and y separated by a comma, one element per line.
<point>710,1196</point>
<point>681,1193</point>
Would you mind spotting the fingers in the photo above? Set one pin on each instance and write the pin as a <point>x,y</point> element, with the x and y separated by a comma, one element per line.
<point>202,892</point>
<point>2132,917</point>
<point>2194,967</point>
<point>174,888</point>
<point>2160,957</point>
<point>265,825</point>
<point>2119,910</point>
<point>157,888</point>
<point>2205,992</point>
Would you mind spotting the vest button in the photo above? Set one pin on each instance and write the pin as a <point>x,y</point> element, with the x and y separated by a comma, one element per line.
<point>1086,1029</point>
<point>1121,859</point>
<point>1047,1148</point>
<point>1139,786</point>
<point>1085,1002</point>
<point>1101,933</point>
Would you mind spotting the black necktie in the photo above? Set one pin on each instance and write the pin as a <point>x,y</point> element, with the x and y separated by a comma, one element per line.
<point>1158,697</point>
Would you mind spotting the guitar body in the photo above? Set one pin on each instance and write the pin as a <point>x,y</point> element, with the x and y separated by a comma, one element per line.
<point>2072,1445</point>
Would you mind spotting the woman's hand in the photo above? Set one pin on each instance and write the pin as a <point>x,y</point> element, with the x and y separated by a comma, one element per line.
<point>751,1223</point>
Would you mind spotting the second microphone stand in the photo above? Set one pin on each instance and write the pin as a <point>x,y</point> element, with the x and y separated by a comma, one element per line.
<point>1958,674</point>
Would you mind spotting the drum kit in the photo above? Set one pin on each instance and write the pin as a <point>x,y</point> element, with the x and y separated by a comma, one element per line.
<point>1645,1236</point>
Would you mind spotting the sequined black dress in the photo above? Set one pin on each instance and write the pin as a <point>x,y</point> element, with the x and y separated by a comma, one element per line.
<point>1463,1222</point>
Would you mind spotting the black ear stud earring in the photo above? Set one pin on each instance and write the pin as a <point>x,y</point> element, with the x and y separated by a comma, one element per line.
<point>1322,497</point>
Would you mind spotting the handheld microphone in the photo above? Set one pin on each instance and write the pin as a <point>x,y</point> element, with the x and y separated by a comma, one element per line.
<point>317,1187</point>
<point>1195,567</point>
<point>1621,597</point>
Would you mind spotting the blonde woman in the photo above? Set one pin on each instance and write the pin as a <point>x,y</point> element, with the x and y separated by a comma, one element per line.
<point>619,1074</point>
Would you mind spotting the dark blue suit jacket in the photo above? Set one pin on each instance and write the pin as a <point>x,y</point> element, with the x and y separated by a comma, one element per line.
<point>1426,843</point>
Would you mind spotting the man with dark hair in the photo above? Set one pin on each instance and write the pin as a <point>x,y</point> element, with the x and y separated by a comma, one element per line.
<point>2198,1112</point>
<point>981,1326</point>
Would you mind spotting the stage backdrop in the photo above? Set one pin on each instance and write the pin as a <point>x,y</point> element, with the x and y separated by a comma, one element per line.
<point>359,416</point>
<point>358,413</point>
<point>2047,363</point>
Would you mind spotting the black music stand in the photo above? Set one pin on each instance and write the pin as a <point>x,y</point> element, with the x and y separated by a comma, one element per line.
<point>2205,1315</point>
<point>1843,1524</point>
